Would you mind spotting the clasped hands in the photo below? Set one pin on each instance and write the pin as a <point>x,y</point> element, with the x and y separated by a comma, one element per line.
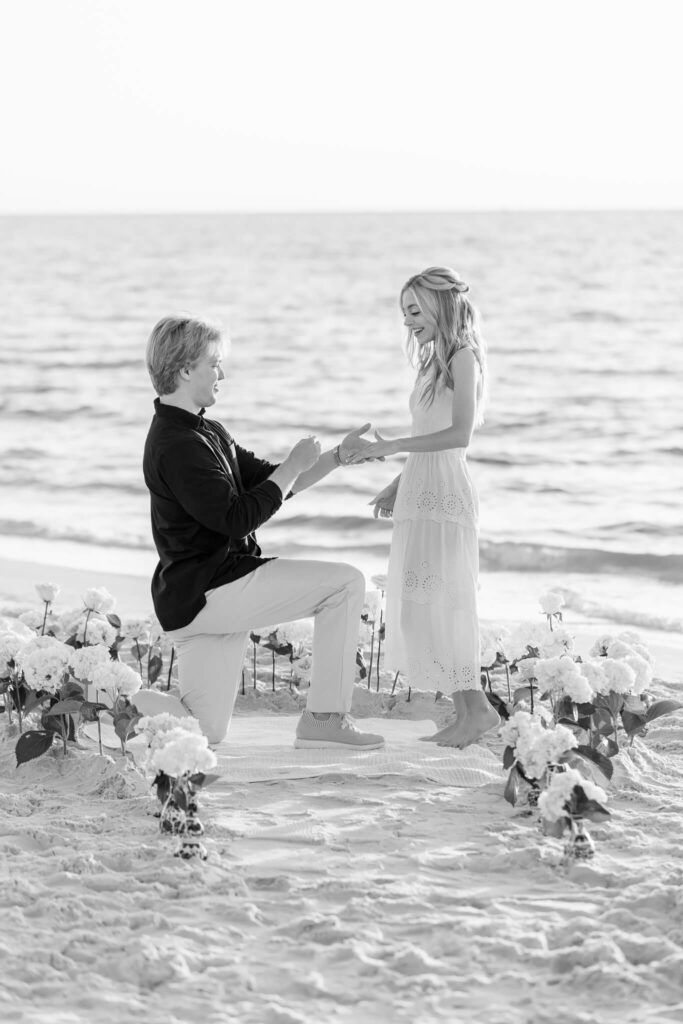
<point>355,449</point>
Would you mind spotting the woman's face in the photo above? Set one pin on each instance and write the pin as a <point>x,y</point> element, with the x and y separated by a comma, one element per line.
<point>421,326</point>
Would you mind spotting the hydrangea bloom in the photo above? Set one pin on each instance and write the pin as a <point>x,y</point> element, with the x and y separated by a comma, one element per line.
<point>642,670</point>
<point>135,628</point>
<point>97,631</point>
<point>491,644</point>
<point>116,679</point>
<point>563,678</point>
<point>44,662</point>
<point>32,618</point>
<point>183,752</point>
<point>620,677</point>
<point>538,747</point>
<point>527,634</point>
<point>552,803</point>
<point>98,599</point>
<point>593,672</point>
<point>10,645</point>
<point>526,669</point>
<point>517,724</point>
<point>555,642</point>
<point>157,727</point>
<point>85,660</point>
<point>599,648</point>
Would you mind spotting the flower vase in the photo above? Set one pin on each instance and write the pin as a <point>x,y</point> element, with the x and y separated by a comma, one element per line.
<point>172,818</point>
<point>190,845</point>
<point>579,845</point>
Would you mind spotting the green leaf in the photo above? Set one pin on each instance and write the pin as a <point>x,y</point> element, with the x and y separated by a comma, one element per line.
<point>180,797</point>
<point>114,621</point>
<point>662,707</point>
<point>124,722</point>
<point>499,704</point>
<point>33,701</point>
<point>162,782</point>
<point>154,668</point>
<point>523,693</point>
<point>255,638</point>
<point>585,709</point>
<point>508,757</point>
<point>601,722</point>
<point>90,710</point>
<point>512,786</point>
<point>65,707</point>
<point>555,828</point>
<point>32,744</point>
<point>608,747</point>
<point>139,650</point>
<point>590,754</point>
<point>633,723</point>
<point>72,689</point>
<point>565,708</point>
<point>589,808</point>
<point>201,781</point>
<point>360,661</point>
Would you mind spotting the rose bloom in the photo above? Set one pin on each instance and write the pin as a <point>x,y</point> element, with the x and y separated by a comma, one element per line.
<point>98,599</point>
<point>526,669</point>
<point>116,679</point>
<point>47,591</point>
<point>555,642</point>
<point>97,631</point>
<point>551,602</point>
<point>135,628</point>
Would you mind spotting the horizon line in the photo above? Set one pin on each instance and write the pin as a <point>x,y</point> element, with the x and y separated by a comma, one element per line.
<point>348,212</point>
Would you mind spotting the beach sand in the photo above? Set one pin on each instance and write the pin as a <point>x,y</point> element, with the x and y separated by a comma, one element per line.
<point>343,896</point>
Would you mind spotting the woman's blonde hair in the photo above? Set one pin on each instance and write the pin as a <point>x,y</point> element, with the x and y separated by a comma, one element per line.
<point>176,342</point>
<point>441,296</point>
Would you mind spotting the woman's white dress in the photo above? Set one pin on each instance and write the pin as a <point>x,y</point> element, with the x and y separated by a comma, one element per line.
<point>432,626</point>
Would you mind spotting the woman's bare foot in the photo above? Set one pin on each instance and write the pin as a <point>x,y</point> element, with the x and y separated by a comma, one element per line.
<point>447,729</point>
<point>470,727</point>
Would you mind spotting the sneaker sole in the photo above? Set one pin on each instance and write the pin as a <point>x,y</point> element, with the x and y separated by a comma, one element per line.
<point>323,744</point>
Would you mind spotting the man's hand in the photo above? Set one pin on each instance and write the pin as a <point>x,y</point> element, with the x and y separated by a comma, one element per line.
<point>379,450</point>
<point>352,447</point>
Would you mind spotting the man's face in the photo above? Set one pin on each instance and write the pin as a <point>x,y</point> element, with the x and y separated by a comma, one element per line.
<point>204,378</point>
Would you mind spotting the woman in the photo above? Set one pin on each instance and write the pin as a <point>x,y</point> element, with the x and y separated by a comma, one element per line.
<point>432,626</point>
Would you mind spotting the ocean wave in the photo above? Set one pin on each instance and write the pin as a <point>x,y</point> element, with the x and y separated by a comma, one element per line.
<point>625,616</point>
<point>506,556</point>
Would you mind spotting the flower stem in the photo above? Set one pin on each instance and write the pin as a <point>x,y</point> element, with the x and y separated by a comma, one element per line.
<point>16,687</point>
<point>99,724</point>
<point>42,631</point>
<point>85,628</point>
<point>170,668</point>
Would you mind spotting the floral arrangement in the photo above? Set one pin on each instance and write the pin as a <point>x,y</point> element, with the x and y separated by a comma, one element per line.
<point>567,717</point>
<point>179,757</point>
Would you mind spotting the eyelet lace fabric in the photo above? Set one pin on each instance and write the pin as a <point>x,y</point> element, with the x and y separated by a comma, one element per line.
<point>432,626</point>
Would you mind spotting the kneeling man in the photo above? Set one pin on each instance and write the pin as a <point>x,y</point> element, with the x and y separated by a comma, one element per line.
<point>212,585</point>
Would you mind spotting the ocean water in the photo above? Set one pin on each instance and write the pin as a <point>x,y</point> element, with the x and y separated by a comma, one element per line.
<point>578,466</point>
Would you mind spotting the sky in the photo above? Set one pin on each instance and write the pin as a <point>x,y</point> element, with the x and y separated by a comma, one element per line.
<point>214,105</point>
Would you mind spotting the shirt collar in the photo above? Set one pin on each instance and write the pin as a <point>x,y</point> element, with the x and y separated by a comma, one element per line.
<point>173,412</point>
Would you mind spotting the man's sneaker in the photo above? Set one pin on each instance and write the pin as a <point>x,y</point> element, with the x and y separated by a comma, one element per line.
<point>336,730</point>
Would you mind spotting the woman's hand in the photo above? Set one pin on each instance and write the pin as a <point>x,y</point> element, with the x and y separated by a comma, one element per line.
<point>384,501</point>
<point>353,448</point>
<point>379,450</point>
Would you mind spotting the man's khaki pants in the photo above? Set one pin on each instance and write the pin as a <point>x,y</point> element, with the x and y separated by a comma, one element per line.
<point>212,647</point>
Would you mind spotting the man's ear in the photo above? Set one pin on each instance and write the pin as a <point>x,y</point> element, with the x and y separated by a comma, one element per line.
<point>184,372</point>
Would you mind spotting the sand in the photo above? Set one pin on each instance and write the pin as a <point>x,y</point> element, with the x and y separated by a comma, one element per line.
<point>374,892</point>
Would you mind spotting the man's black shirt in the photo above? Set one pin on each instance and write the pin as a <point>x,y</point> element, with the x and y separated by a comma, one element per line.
<point>208,496</point>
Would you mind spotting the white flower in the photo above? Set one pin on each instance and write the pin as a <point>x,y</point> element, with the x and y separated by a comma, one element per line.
<point>183,752</point>
<point>85,660</point>
<point>593,672</point>
<point>136,629</point>
<point>44,662</point>
<point>562,677</point>
<point>116,679</point>
<point>32,618</point>
<point>301,671</point>
<point>372,605</point>
<point>629,636</point>
<point>47,591</point>
<point>555,642</point>
<point>643,651</point>
<point>553,802</point>
<point>98,599</point>
<point>10,645</point>
<point>379,581</point>
<point>157,727</point>
<point>642,670</point>
<point>97,631</point>
<point>618,649</point>
<point>525,635</point>
<point>526,669</point>
<point>620,677</point>
<point>297,633</point>
<point>516,724</point>
<point>491,644</point>
<point>551,602</point>
<point>537,747</point>
<point>599,648</point>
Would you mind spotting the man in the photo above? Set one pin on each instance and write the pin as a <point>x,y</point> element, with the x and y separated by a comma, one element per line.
<point>212,584</point>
